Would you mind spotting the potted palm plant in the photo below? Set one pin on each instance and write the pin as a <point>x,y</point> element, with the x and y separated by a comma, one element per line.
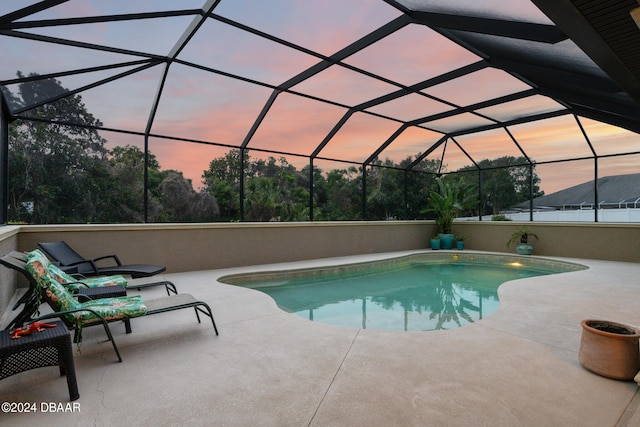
<point>521,235</point>
<point>447,203</point>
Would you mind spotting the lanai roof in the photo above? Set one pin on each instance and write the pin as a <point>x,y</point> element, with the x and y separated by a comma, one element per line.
<point>349,81</point>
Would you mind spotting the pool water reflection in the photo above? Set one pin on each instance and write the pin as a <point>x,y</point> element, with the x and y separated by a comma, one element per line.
<point>409,296</point>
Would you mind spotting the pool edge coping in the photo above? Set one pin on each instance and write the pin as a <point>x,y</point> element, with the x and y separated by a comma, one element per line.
<point>340,265</point>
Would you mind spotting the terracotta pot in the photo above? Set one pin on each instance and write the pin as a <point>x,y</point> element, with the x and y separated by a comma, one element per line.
<point>610,349</point>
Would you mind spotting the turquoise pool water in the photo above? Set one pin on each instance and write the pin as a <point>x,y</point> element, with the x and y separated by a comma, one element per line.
<point>415,293</point>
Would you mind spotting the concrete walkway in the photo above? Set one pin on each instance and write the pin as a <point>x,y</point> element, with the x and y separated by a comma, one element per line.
<point>517,367</point>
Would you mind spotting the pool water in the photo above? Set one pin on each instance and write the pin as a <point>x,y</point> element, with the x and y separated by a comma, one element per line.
<point>403,296</point>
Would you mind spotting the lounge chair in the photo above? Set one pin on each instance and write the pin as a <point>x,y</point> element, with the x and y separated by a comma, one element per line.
<point>78,284</point>
<point>17,261</point>
<point>92,287</point>
<point>72,262</point>
<point>78,315</point>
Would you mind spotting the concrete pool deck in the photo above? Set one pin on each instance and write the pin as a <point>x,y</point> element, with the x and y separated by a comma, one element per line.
<point>518,366</point>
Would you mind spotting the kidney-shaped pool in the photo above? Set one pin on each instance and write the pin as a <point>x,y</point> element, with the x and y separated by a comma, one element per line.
<point>426,291</point>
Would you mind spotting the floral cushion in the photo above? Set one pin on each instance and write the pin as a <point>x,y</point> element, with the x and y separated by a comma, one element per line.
<point>70,282</point>
<point>39,266</point>
<point>38,255</point>
<point>112,309</point>
<point>74,285</point>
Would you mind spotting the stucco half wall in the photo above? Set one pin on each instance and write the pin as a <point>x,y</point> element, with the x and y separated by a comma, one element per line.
<point>186,247</point>
<point>189,247</point>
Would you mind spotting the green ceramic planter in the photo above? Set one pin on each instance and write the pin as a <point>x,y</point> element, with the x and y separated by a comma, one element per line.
<point>446,240</point>
<point>435,244</point>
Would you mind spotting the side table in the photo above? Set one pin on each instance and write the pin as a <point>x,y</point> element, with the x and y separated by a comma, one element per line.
<point>50,347</point>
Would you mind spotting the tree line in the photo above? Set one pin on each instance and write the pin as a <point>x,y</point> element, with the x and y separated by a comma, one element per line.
<point>61,173</point>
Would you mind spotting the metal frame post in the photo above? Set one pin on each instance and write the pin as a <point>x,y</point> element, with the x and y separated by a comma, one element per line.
<point>4,161</point>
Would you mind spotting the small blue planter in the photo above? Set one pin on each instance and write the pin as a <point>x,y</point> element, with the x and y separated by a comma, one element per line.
<point>524,249</point>
<point>460,245</point>
<point>435,244</point>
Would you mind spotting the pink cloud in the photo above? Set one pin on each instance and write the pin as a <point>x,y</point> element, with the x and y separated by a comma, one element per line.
<point>414,140</point>
<point>207,107</point>
<point>410,107</point>
<point>296,125</point>
<point>558,176</point>
<point>244,54</point>
<point>552,139</point>
<point>608,139</point>
<point>491,144</point>
<point>359,138</point>
<point>325,26</point>
<point>619,165</point>
<point>191,159</point>
<point>344,86</point>
<point>530,105</point>
<point>397,56</point>
<point>482,85</point>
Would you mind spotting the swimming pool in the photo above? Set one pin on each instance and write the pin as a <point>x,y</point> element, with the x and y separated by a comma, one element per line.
<point>425,291</point>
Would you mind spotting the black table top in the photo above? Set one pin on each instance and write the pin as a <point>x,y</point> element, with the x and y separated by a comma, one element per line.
<point>46,334</point>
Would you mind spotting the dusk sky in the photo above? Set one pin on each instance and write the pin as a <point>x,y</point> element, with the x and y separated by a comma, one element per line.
<point>211,107</point>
